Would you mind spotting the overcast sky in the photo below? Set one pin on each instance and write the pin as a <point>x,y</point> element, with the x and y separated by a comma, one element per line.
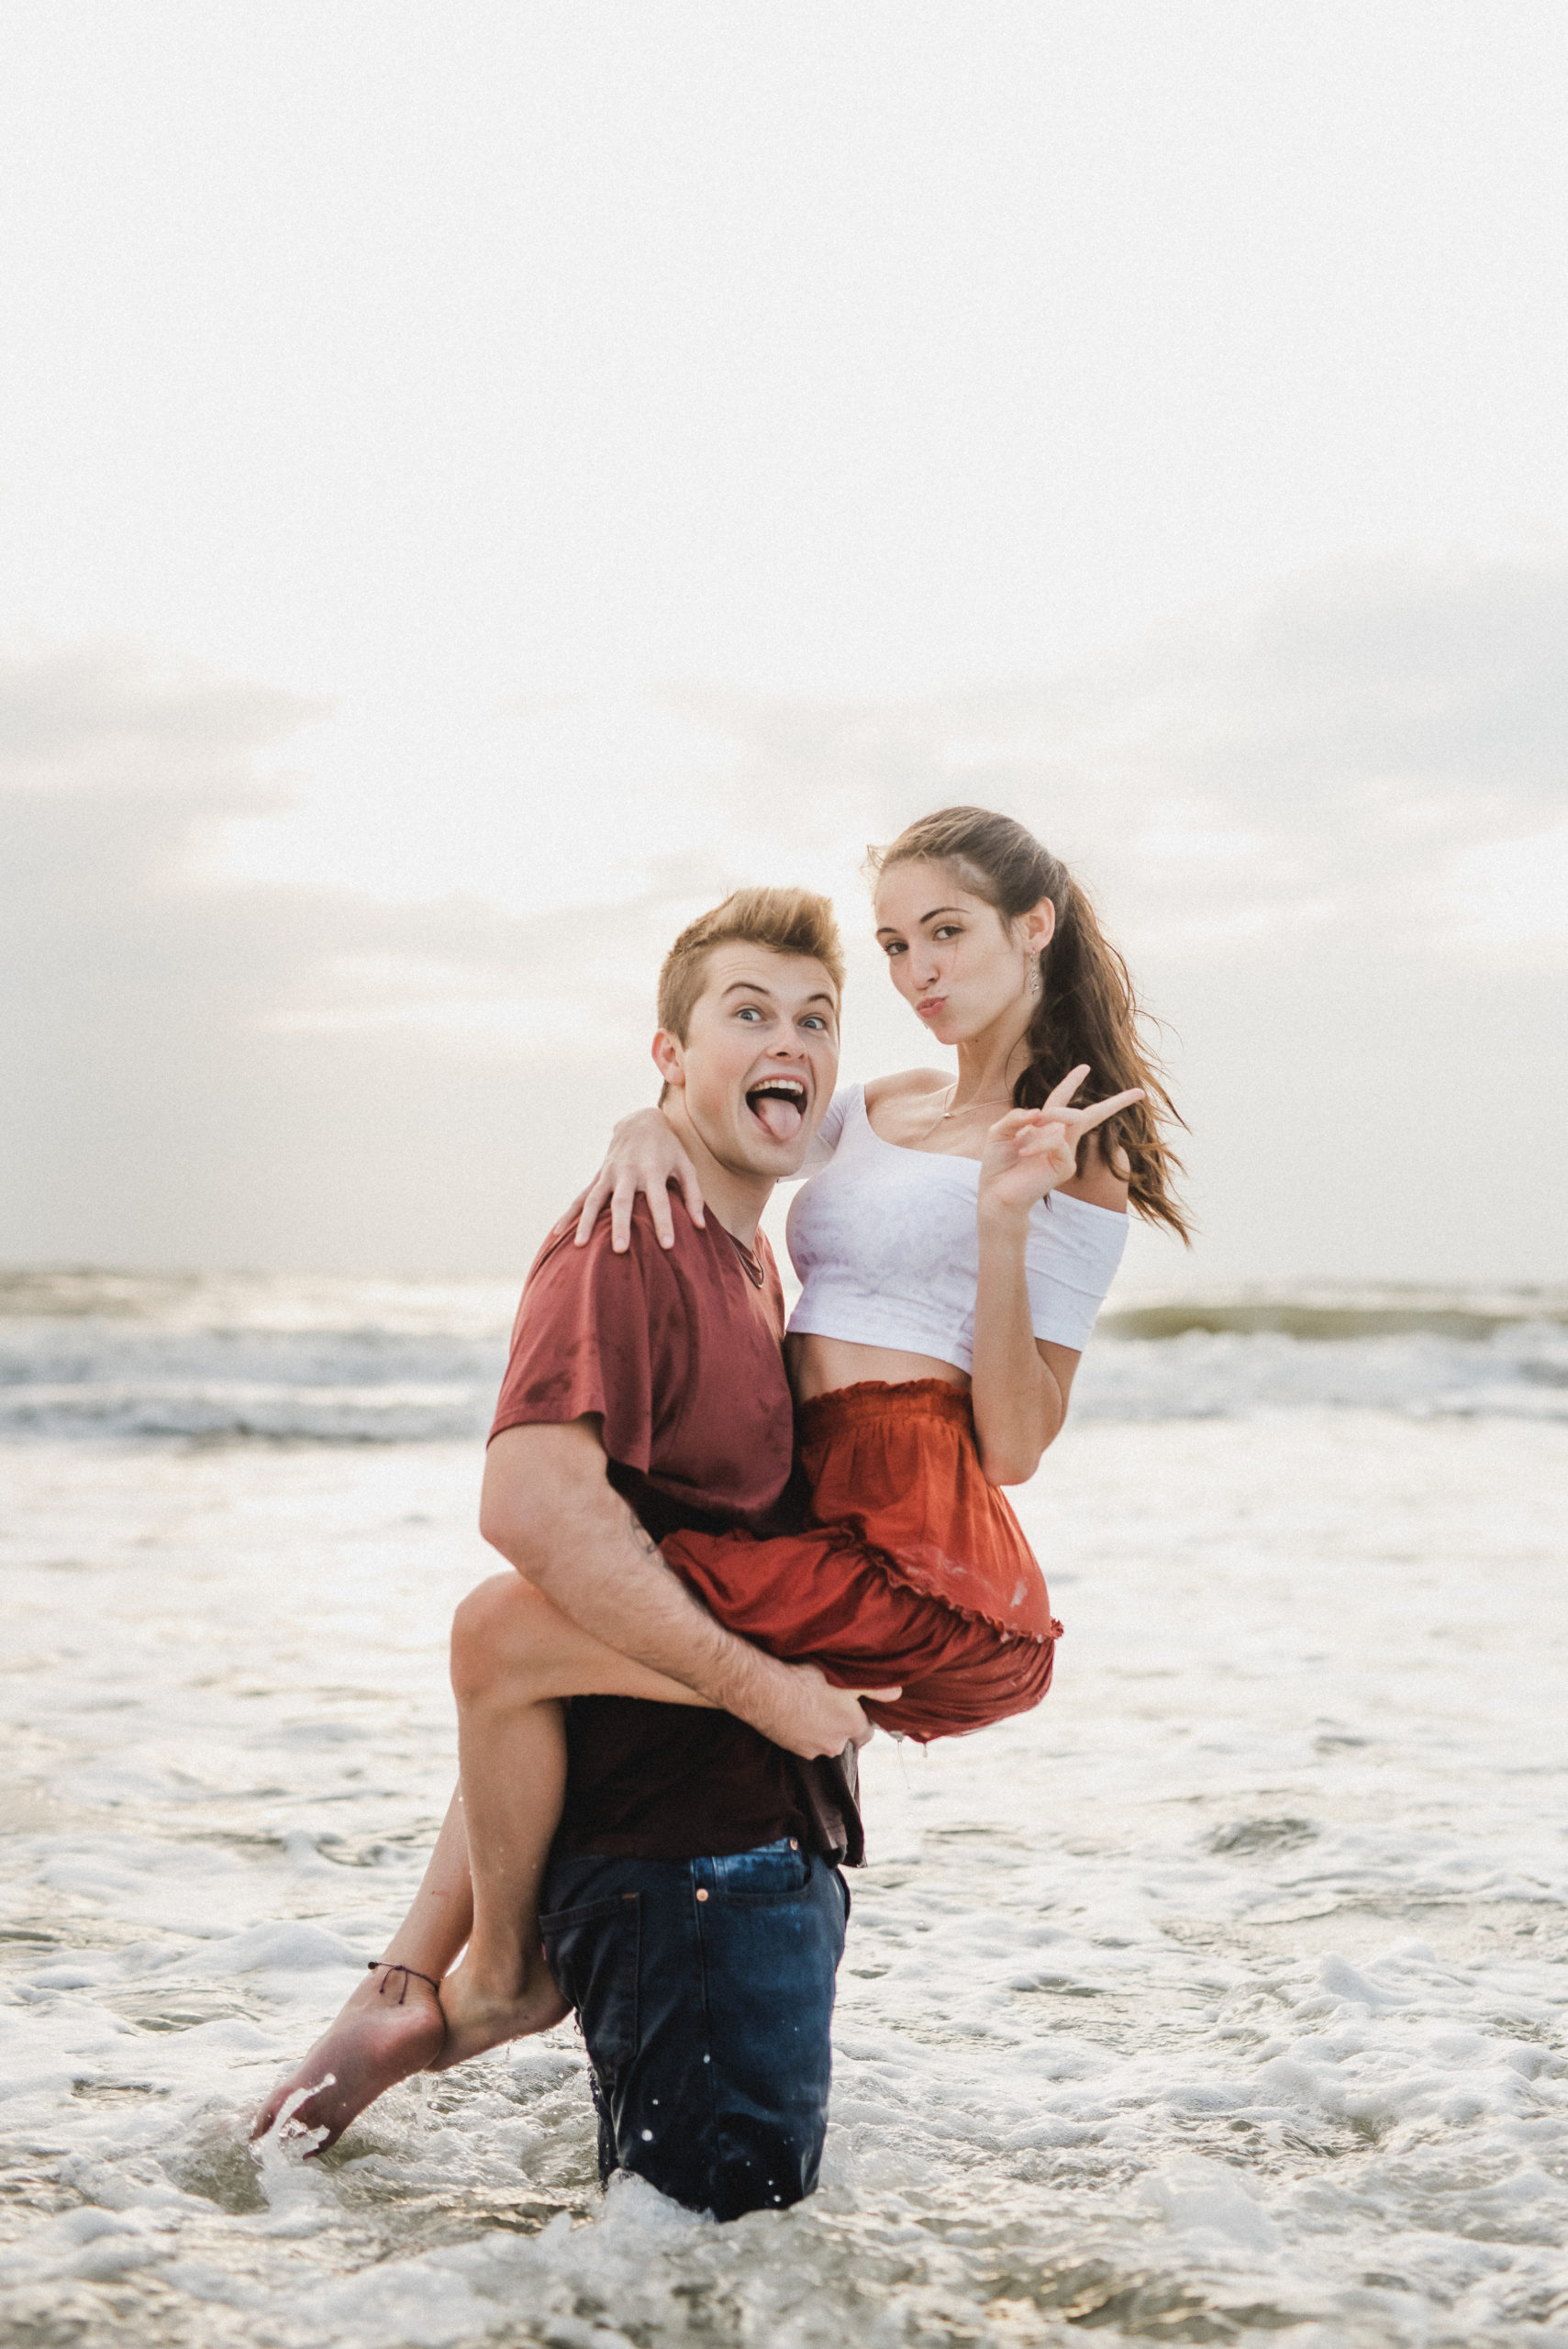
<point>477,480</point>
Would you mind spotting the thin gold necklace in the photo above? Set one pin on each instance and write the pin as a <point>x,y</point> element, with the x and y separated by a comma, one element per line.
<point>981,1101</point>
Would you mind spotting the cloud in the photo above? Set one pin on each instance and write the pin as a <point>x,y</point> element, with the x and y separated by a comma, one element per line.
<point>1328,827</point>
<point>1317,758</point>
<point>106,718</point>
<point>1325,824</point>
<point>201,1072</point>
<point>1515,894</point>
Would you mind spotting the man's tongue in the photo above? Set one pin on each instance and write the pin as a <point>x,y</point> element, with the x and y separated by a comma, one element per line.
<point>781,1118</point>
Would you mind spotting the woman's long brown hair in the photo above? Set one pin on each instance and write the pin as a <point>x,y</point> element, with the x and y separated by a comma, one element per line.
<point>1087,1009</point>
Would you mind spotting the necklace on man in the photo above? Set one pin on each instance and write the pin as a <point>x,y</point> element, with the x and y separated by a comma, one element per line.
<point>751,1260</point>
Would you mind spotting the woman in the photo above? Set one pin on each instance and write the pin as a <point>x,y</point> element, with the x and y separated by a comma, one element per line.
<point>954,1243</point>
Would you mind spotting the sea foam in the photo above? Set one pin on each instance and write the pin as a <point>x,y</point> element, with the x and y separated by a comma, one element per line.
<point>330,1360</point>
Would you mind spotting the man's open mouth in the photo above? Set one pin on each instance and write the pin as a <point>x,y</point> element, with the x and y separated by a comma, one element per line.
<point>778,1103</point>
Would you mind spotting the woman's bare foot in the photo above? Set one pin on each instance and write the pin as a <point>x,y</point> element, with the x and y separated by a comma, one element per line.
<point>483,2011</point>
<point>391,2026</point>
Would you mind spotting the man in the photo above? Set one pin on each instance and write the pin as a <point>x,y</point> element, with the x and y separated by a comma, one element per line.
<point>690,1911</point>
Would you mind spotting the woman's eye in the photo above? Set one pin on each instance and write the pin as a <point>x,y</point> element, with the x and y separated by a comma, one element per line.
<point>895,948</point>
<point>748,1011</point>
<point>945,929</point>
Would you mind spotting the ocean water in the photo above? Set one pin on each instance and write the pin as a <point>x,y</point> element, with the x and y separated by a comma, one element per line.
<point>339,1360</point>
<point>1224,1998</point>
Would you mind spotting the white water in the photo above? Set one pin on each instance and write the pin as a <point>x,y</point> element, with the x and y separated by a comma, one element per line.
<point>341,1359</point>
<point>1225,1995</point>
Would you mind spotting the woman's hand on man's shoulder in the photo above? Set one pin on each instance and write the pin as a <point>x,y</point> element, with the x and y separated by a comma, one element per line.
<point>645,1154</point>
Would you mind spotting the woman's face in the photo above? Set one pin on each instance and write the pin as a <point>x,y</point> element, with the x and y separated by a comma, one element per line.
<point>957,965</point>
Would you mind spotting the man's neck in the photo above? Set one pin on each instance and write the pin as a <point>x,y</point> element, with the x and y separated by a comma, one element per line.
<point>735,1199</point>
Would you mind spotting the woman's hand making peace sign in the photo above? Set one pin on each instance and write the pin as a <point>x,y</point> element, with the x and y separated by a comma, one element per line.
<point>1032,1151</point>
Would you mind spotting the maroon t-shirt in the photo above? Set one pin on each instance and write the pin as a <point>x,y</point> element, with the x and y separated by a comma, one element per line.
<point>678,1352</point>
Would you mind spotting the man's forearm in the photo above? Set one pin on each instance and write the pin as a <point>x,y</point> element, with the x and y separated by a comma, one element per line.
<point>578,1540</point>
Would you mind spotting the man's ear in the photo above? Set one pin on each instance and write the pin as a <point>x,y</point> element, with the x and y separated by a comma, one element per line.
<point>670,1059</point>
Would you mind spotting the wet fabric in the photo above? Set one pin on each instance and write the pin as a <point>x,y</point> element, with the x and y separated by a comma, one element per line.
<point>912,1570</point>
<point>677,1351</point>
<point>704,1988</point>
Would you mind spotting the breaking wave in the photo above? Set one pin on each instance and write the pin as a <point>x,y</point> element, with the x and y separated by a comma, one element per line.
<point>341,1359</point>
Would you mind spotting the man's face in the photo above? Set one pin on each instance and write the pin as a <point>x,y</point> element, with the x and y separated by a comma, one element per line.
<point>759,1061</point>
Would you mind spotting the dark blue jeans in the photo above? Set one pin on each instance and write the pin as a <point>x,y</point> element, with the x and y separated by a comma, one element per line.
<point>705,1990</point>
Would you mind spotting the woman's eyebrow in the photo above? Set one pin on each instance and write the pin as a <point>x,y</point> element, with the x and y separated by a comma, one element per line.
<point>890,928</point>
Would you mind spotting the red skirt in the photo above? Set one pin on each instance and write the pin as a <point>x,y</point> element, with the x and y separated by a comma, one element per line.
<point>912,1571</point>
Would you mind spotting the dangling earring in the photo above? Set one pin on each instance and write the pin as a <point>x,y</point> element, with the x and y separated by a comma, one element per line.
<point>1034,976</point>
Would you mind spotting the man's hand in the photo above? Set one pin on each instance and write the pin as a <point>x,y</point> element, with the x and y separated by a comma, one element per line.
<point>550,1509</point>
<point>798,1709</point>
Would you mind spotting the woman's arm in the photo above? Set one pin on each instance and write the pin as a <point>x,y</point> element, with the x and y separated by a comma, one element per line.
<point>550,1509</point>
<point>645,1154</point>
<point>1021,1384</point>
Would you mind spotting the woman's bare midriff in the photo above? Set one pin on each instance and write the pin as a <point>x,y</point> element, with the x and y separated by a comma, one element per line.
<point>820,1365</point>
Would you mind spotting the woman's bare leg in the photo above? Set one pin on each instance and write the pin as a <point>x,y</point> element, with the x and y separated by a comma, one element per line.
<point>515,1657</point>
<point>392,2025</point>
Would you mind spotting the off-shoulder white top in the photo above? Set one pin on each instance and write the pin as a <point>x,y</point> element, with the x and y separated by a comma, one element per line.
<point>884,1242</point>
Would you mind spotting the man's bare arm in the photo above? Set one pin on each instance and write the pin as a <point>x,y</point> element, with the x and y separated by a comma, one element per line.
<point>548,1506</point>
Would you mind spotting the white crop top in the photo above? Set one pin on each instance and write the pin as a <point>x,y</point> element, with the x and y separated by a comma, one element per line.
<point>884,1242</point>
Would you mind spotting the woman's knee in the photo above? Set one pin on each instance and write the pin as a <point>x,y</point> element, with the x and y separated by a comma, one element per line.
<point>494,1637</point>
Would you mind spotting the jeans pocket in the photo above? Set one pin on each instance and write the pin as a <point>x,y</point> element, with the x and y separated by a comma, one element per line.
<point>594,1952</point>
<point>772,1872</point>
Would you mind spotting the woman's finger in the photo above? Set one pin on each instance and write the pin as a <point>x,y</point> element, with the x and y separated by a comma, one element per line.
<point>1099,1111</point>
<point>1064,1093</point>
<point>622,1206</point>
<point>691,1191</point>
<point>1041,1142</point>
<point>660,1208</point>
<point>593,1199</point>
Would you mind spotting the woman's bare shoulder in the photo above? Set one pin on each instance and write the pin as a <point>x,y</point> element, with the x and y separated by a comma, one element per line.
<point>907,1081</point>
<point>1098,1182</point>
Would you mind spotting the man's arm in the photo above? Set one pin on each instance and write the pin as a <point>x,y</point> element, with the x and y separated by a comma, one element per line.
<point>550,1509</point>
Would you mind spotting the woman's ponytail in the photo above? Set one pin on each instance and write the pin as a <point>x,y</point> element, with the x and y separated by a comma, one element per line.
<point>1087,1009</point>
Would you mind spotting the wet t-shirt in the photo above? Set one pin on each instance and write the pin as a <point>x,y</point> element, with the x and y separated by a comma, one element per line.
<point>678,1352</point>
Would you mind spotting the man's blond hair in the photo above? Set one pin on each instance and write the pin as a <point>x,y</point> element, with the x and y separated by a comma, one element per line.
<point>789,921</point>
